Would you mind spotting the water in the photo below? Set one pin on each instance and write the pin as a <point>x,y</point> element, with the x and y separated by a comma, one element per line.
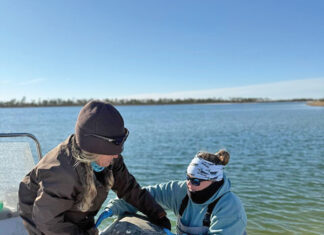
<point>277,152</point>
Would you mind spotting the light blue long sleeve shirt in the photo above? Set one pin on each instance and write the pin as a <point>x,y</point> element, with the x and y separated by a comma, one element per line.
<point>228,216</point>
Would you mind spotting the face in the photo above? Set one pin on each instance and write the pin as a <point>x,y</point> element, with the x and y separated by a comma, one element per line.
<point>194,188</point>
<point>105,160</point>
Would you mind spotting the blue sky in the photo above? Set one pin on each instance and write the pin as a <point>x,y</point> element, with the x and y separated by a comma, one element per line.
<point>116,49</point>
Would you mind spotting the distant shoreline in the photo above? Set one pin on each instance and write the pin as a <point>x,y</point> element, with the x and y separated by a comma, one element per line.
<point>316,103</point>
<point>80,102</point>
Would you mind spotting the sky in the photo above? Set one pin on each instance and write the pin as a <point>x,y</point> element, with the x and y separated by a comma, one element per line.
<point>161,49</point>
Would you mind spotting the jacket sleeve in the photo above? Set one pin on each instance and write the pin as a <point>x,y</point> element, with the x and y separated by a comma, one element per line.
<point>228,217</point>
<point>128,189</point>
<point>169,195</point>
<point>54,197</point>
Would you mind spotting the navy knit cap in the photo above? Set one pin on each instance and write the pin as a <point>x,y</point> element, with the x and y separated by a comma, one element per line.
<point>99,119</point>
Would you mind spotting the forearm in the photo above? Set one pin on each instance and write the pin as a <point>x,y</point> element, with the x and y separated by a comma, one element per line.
<point>128,189</point>
<point>168,195</point>
<point>50,223</point>
<point>120,207</point>
<point>143,201</point>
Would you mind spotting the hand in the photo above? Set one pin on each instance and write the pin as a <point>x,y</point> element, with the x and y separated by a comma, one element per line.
<point>104,215</point>
<point>168,232</point>
<point>163,222</point>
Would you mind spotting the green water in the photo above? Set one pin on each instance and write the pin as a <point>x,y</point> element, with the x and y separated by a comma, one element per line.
<point>277,152</point>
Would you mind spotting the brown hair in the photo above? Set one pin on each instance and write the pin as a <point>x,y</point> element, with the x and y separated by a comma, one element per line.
<point>220,158</point>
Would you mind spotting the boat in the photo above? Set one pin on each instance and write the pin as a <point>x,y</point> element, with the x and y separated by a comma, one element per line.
<point>16,161</point>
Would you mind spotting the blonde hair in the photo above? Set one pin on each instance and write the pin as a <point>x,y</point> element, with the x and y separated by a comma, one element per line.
<point>89,191</point>
<point>220,158</point>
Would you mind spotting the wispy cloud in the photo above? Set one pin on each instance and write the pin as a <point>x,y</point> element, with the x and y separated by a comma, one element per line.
<point>4,82</point>
<point>32,81</point>
<point>306,88</point>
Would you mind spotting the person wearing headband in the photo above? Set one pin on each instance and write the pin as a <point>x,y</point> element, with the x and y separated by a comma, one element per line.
<point>66,189</point>
<point>203,203</point>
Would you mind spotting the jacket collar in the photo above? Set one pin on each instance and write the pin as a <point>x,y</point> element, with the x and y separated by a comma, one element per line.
<point>221,191</point>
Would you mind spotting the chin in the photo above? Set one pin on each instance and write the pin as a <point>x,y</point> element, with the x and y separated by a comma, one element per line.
<point>105,165</point>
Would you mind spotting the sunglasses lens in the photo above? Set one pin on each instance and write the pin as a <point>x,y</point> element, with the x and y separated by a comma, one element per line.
<point>195,182</point>
<point>121,140</point>
<point>118,141</point>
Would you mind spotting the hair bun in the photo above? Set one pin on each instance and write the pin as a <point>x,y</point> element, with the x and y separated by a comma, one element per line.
<point>223,156</point>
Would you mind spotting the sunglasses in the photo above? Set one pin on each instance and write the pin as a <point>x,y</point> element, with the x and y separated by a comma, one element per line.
<point>194,181</point>
<point>114,140</point>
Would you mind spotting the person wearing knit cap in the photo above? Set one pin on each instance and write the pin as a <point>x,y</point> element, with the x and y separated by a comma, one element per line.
<point>203,203</point>
<point>66,189</point>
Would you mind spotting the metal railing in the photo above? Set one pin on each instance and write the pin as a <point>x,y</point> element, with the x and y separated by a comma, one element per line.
<point>38,147</point>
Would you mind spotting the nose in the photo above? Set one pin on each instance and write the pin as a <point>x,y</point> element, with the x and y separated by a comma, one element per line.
<point>190,186</point>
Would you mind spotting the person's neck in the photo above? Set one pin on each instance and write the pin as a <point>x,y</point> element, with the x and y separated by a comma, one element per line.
<point>203,195</point>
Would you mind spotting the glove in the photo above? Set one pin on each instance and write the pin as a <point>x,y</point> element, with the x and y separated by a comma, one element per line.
<point>163,222</point>
<point>104,215</point>
<point>168,232</point>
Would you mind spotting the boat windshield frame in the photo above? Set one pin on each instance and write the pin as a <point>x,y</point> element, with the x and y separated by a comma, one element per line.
<point>38,147</point>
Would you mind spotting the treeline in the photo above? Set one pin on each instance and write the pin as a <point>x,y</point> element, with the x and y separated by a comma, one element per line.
<point>81,102</point>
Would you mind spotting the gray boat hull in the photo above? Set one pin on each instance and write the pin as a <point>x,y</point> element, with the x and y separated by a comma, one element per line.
<point>132,224</point>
